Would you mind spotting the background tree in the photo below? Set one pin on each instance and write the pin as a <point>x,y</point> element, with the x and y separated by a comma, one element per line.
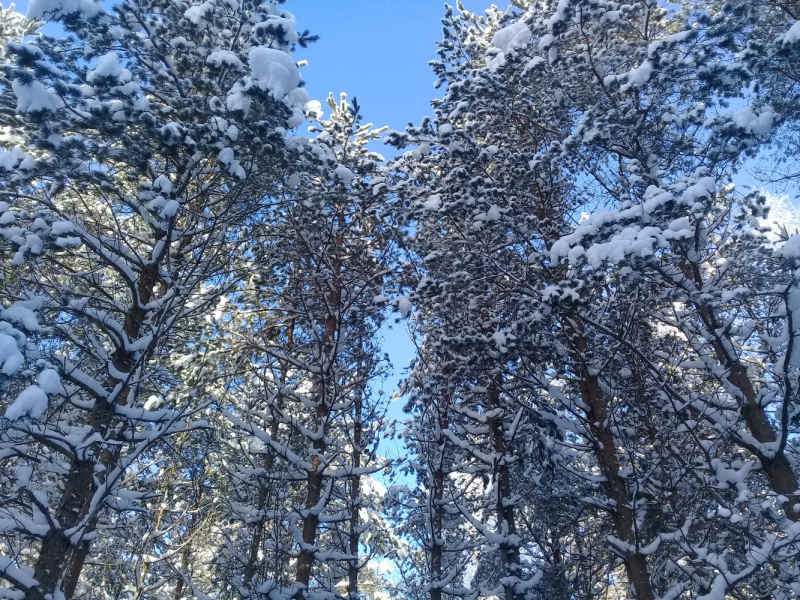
<point>306,366</point>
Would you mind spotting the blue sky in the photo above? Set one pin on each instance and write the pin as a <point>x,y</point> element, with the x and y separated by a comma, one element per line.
<point>377,50</point>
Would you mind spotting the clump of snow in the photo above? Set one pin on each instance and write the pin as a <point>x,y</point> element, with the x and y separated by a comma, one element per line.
<point>493,214</point>
<point>274,71</point>
<point>55,9</point>
<point>403,305</point>
<point>638,77</point>
<point>532,64</point>
<point>546,40</point>
<point>791,249</point>
<point>513,37</point>
<point>679,228</point>
<point>21,315</point>
<point>501,339</point>
<point>228,158</point>
<point>220,58</point>
<point>296,100</point>
<point>372,487</point>
<point>560,14</point>
<point>344,175</point>
<point>433,202</point>
<point>704,188</point>
<point>12,159</point>
<point>49,381</point>
<point>237,100</point>
<point>313,109</point>
<point>32,402</point>
<point>793,35</point>
<point>28,49</point>
<point>509,39</point>
<point>68,242</point>
<point>163,184</point>
<point>752,123</point>
<point>108,67</point>
<point>152,403</point>
<point>142,104</point>
<point>24,474</point>
<point>34,97</point>
<point>61,227</point>
<point>170,209</point>
<point>285,22</point>
<point>675,38</point>
<point>11,358</point>
<point>199,13</point>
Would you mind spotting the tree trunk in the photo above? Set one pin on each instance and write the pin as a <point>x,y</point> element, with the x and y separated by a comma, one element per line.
<point>305,559</point>
<point>608,461</point>
<point>355,493</point>
<point>437,504</point>
<point>59,559</point>
<point>623,515</point>
<point>777,468</point>
<point>436,534</point>
<point>509,552</point>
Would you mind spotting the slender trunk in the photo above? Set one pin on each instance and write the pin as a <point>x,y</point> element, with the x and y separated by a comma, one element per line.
<point>179,588</point>
<point>355,503</point>
<point>184,567</point>
<point>269,461</point>
<point>305,559</point>
<point>605,451</point>
<point>437,543</point>
<point>258,534</point>
<point>623,515</point>
<point>255,543</point>
<point>146,549</point>
<point>509,551</point>
<point>196,522</point>
<point>436,534</point>
<point>355,487</point>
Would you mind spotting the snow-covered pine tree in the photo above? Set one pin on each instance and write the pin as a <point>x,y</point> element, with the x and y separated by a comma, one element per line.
<point>305,366</point>
<point>151,134</point>
<point>681,197</point>
<point>479,210</point>
<point>676,192</point>
<point>624,94</point>
<point>14,27</point>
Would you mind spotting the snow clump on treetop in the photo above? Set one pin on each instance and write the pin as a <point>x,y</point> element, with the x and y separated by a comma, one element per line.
<point>509,40</point>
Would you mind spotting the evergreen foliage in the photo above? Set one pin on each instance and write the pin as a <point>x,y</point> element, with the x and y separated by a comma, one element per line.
<point>194,297</point>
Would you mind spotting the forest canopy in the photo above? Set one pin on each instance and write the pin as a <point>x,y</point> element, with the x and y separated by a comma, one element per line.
<point>591,245</point>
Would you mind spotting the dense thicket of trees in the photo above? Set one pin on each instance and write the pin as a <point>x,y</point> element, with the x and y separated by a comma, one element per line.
<point>193,295</point>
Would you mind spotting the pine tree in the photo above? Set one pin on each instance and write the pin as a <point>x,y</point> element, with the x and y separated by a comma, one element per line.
<point>151,134</point>
<point>306,330</point>
<point>620,99</point>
